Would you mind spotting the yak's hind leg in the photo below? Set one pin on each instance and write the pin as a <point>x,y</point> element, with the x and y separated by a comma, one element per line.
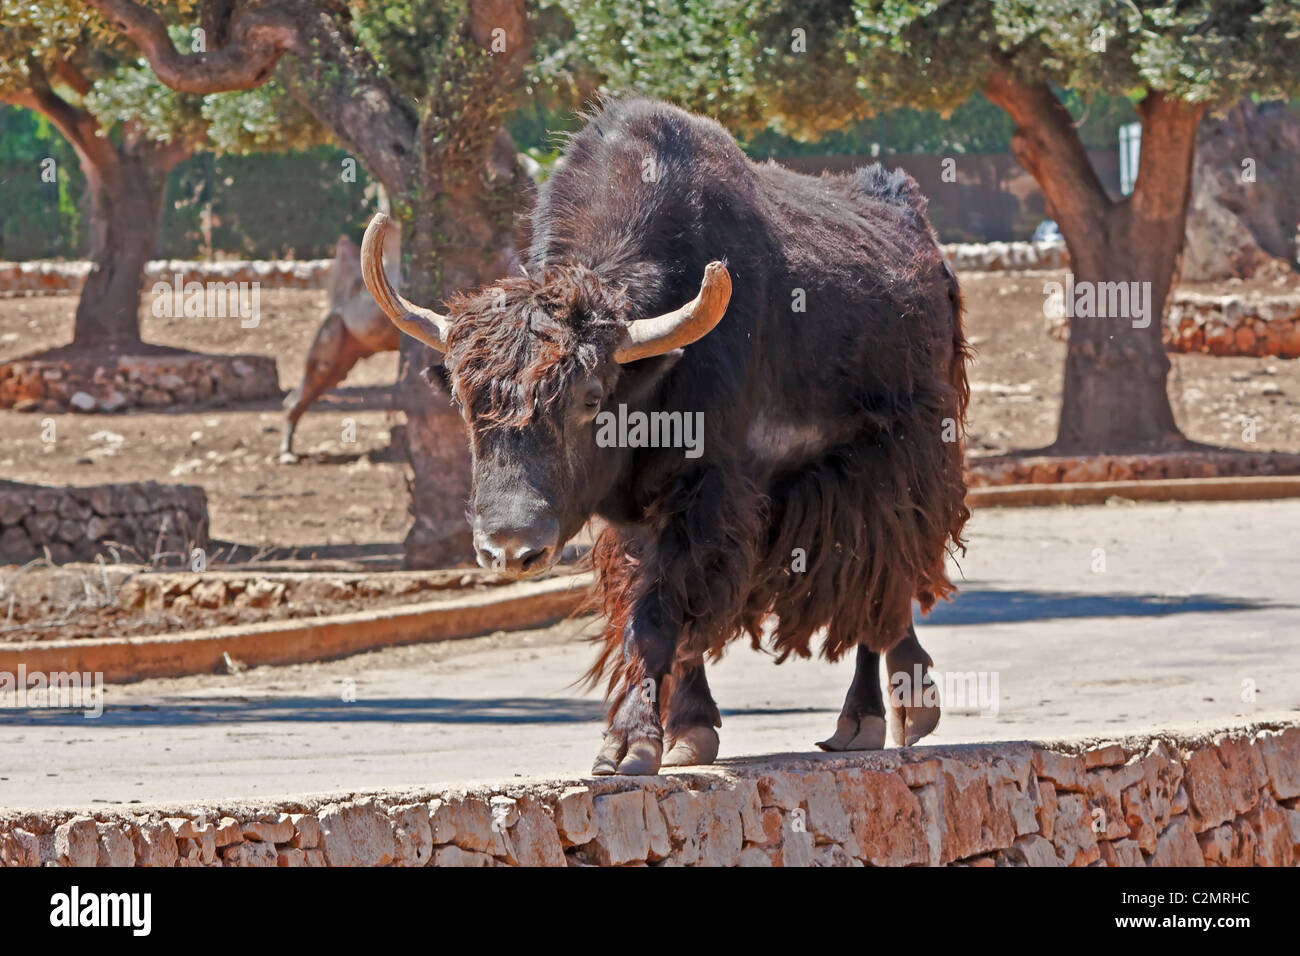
<point>862,720</point>
<point>913,703</point>
<point>691,717</point>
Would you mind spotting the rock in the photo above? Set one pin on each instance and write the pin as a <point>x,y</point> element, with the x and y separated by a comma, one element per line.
<point>412,834</point>
<point>1223,781</point>
<point>1063,770</point>
<point>1177,846</point>
<point>251,854</point>
<point>1034,850</point>
<point>281,831</point>
<point>82,401</point>
<point>621,828</point>
<point>827,820</point>
<point>533,839</point>
<point>76,843</point>
<point>18,847</point>
<point>1280,752</point>
<point>116,848</point>
<point>356,834</point>
<point>1235,227</point>
<point>886,818</point>
<point>155,845</point>
<point>227,832</point>
<point>780,789</point>
<point>466,821</point>
<point>575,817</point>
<point>1121,853</point>
<point>306,831</point>
<point>452,855</point>
<point>1269,821</point>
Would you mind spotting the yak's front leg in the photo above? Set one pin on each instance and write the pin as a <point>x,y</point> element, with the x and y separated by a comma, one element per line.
<point>634,742</point>
<point>913,698</point>
<point>861,725</point>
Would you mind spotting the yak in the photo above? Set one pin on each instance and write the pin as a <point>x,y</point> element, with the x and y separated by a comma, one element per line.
<point>812,327</point>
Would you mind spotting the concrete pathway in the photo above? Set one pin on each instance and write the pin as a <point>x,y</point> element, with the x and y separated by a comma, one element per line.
<point>1092,621</point>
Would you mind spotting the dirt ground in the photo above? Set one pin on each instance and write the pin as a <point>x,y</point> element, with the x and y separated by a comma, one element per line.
<point>80,601</point>
<point>350,498</point>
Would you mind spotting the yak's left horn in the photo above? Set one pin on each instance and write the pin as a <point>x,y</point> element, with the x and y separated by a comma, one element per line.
<point>677,329</point>
<point>423,324</point>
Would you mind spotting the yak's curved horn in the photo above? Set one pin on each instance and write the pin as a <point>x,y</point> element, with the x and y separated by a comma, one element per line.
<point>423,324</point>
<point>677,329</point>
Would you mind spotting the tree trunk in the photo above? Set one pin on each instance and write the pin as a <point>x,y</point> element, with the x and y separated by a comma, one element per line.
<point>461,241</point>
<point>1115,397</point>
<point>126,205</point>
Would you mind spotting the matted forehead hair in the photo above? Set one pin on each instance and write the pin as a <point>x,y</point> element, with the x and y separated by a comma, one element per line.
<point>514,346</point>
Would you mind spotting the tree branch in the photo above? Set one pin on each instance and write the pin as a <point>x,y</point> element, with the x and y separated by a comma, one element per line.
<point>258,38</point>
<point>1048,146</point>
<point>77,125</point>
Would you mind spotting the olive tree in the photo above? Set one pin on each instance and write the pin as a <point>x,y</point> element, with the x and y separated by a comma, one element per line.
<point>806,68</point>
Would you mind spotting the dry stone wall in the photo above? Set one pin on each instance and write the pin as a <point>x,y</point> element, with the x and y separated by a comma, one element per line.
<point>1227,798</point>
<point>48,277</point>
<point>1043,469</point>
<point>129,381</point>
<point>1234,324</point>
<point>75,524</point>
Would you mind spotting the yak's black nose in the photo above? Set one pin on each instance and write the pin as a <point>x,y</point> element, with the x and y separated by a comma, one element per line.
<point>517,550</point>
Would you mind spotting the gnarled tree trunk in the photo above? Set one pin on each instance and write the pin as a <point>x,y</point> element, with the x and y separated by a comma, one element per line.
<point>126,195</point>
<point>1115,396</point>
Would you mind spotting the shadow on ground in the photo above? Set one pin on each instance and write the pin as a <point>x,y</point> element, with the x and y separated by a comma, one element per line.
<point>974,605</point>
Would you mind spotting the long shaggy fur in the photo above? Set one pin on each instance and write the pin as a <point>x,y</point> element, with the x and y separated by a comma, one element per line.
<point>824,426</point>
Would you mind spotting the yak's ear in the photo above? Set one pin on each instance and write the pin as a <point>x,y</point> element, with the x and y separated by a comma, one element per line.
<point>638,378</point>
<point>436,375</point>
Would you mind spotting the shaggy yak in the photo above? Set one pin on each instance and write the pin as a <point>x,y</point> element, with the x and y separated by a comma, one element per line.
<point>823,486</point>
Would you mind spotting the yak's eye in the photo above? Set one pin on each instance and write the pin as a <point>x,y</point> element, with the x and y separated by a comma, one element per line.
<point>591,399</point>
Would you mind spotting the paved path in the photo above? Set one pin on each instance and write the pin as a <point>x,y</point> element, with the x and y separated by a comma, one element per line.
<point>1197,604</point>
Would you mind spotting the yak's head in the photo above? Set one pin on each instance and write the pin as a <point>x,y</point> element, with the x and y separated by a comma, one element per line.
<point>532,361</point>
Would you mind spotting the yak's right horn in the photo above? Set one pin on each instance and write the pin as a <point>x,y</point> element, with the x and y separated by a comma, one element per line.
<point>425,325</point>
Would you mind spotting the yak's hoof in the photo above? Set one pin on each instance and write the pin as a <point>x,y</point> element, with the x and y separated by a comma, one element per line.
<point>908,724</point>
<point>856,733</point>
<point>695,747</point>
<point>288,458</point>
<point>640,757</point>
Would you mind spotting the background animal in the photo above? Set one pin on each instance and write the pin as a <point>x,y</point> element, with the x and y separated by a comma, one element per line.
<point>353,328</point>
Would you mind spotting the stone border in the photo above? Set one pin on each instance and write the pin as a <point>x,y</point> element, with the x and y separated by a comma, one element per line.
<point>78,523</point>
<point>1161,799</point>
<point>37,384</point>
<point>293,641</point>
<point>51,277</point>
<point>1256,325</point>
<point>1006,256</point>
<point>1260,488</point>
<point>997,470</point>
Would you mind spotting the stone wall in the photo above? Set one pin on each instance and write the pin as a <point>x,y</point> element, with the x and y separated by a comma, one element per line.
<point>1164,799</point>
<point>998,470</point>
<point>1006,256</point>
<point>76,524</point>
<point>1234,324</point>
<point>46,277</point>
<point>148,381</point>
